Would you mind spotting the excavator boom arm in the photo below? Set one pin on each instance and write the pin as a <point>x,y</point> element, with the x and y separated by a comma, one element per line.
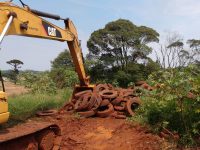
<point>27,22</point>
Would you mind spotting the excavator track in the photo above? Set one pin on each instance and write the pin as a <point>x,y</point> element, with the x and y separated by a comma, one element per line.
<point>34,135</point>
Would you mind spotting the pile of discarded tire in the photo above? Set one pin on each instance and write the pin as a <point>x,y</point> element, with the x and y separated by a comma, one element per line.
<point>104,101</point>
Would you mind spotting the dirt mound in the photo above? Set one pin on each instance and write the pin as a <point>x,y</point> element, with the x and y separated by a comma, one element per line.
<point>106,133</point>
<point>99,134</point>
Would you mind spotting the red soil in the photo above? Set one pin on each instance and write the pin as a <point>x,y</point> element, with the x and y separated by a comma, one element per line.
<point>96,134</point>
<point>106,134</point>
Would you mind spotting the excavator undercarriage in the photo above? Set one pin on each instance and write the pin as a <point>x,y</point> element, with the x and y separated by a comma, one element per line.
<point>33,135</point>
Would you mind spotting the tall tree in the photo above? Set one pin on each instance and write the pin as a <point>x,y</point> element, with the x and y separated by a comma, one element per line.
<point>62,70</point>
<point>121,42</point>
<point>174,54</point>
<point>16,64</point>
<point>195,50</point>
<point>119,52</point>
<point>63,60</point>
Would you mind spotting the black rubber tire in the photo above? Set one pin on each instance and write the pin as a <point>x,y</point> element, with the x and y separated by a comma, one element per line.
<point>68,107</point>
<point>108,94</point>
<point>117,100</point>
<point>47,112</point>
<point>107,112</point>
<point>129,103</point>
<point>87,114</point>
<point>101,87</point>
<point>120,107</point>
<point>104,102</point>
<point>79,94</point>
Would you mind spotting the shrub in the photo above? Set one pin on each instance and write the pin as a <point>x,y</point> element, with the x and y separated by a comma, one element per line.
<point>123,78</point>
<point>64,78</point>
<point>171,106</point>
<point>38,82</point>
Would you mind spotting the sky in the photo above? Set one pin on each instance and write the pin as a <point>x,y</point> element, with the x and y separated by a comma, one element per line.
<point>181,16</point>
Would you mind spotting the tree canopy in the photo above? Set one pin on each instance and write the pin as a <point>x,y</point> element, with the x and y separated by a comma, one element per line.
<point>195,50</point>
<point>120,51</point>
<point>63,60</point>
<point>16,64</point>
<point>120,42</point>
<point>175,54</point>
<point>62,70</point>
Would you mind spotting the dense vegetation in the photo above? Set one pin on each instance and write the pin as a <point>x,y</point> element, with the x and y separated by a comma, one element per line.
<point>175,105</point>
<point>62,71</point>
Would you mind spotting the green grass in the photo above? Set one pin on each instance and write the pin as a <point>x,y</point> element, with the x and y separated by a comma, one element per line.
<point>25,106</point>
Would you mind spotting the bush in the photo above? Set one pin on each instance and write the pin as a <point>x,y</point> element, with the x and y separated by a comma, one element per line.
<point>64,78</point>
<point>122,78</point>
<point>172,106</point>
<point>38,82</point>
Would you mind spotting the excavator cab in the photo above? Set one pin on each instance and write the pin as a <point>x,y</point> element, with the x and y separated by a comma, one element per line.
<point>4,114</point>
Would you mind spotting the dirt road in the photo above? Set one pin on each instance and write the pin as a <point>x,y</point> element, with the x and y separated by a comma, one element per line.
<point>91,134</point>
<point>13,90</point>
<point>106,134</point>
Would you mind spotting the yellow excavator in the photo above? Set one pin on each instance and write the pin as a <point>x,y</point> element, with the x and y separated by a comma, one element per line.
<point>24,21</point>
